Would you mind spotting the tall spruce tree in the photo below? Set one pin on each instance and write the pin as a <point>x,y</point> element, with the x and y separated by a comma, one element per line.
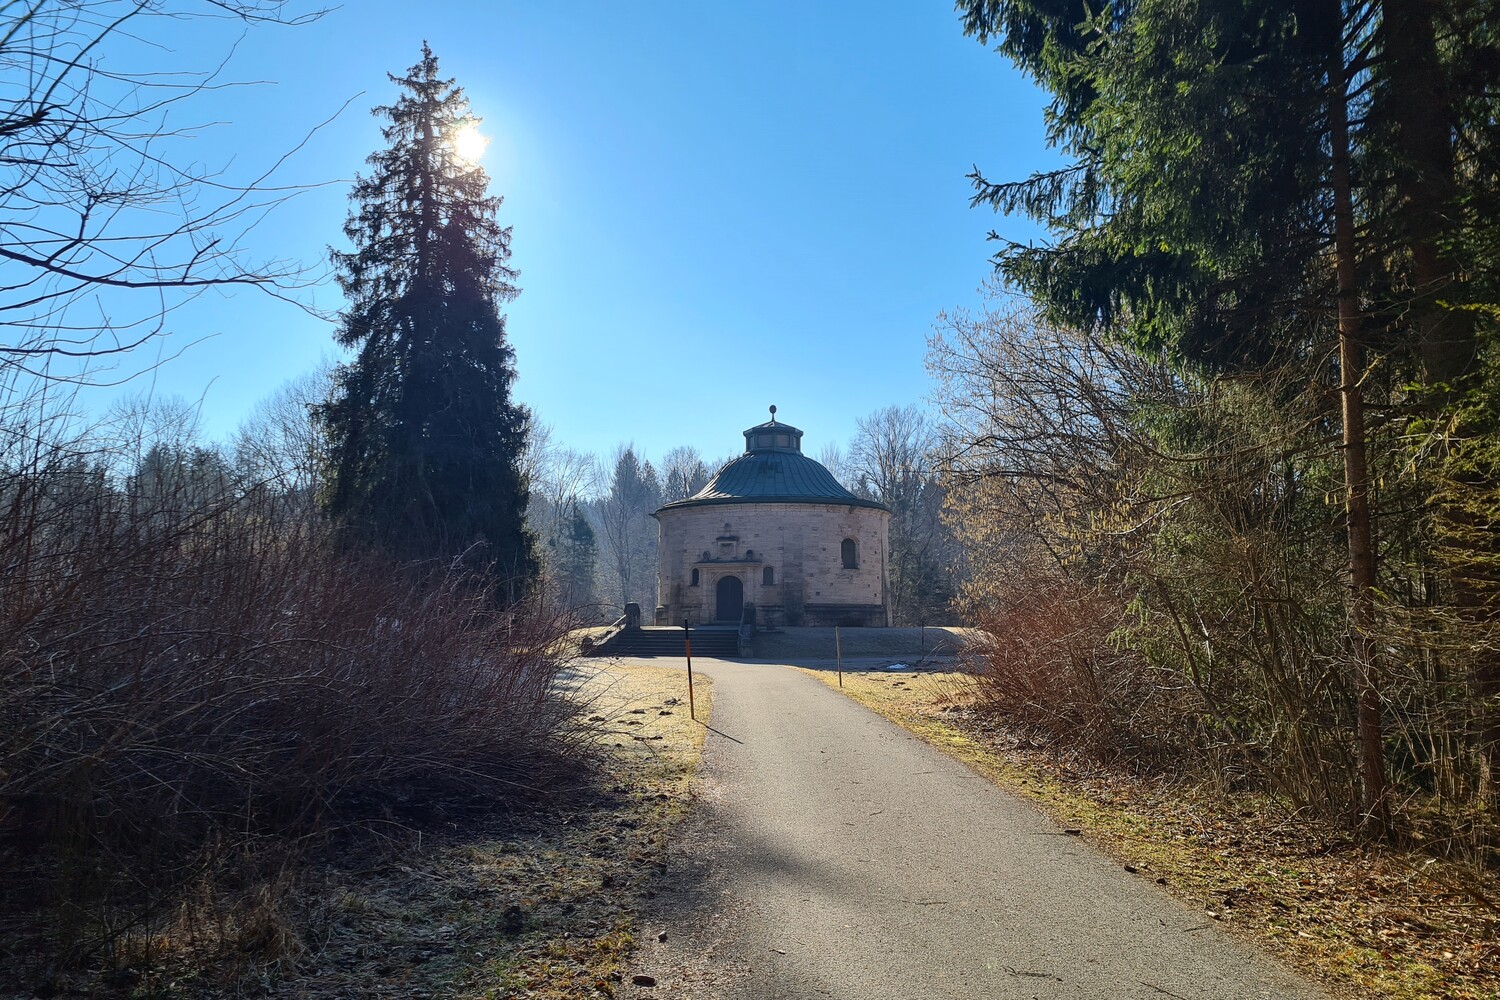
<point>424,439</point>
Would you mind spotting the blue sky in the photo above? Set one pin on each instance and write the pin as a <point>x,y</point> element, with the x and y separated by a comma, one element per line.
<point>716,207</point>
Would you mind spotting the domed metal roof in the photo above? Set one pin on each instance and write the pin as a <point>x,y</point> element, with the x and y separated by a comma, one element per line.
<point>773,470</point>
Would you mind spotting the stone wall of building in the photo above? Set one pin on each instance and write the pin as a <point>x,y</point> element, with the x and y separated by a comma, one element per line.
<point>802,546</point>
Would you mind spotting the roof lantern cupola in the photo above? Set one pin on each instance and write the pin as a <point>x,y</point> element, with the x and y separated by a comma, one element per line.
<point>773,470</point>
<point>773,436</point>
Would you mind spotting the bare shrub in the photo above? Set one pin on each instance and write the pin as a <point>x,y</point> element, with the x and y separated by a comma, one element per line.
<point>1040,477</point>
<point>1048,664</point>
<point>192,661</point>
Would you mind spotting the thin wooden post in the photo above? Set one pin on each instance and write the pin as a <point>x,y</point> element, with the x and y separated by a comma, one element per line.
<point>838,651</point>
<point>687,644</point>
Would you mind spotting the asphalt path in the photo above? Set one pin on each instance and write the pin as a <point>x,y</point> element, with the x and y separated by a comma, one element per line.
<point>835,855</point>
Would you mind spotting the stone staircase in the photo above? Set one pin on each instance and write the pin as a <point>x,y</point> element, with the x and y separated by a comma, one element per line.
<point>716,641</point>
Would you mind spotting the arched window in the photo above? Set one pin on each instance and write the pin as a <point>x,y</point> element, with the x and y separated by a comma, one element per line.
<point>768,576</point>
<point>850,550</point>
<point>693,581</point>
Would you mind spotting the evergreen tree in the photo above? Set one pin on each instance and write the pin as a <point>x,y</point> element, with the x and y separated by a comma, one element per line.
<point>1257,181</point>
<point>574,560</point>
<point>173,481</point>
<point>424,440</point>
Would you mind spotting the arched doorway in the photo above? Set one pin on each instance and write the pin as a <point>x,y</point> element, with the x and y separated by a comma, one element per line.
<point>730,599</point>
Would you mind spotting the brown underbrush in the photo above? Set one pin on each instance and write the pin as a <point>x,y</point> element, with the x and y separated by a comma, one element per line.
<point>1046,661</point>
<point>1264,712</point>
<point>486,904</point>
<point>200,686</point>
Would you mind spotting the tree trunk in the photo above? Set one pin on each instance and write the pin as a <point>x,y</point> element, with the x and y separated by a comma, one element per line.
<point>1420,109</point>
<point>1374,801</point>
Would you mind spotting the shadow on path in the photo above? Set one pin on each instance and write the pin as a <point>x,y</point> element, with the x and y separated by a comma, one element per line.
<point>719,732</point>
<point>833,854</point>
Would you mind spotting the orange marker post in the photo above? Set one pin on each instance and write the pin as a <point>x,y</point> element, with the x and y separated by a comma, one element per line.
<point>687,644</point>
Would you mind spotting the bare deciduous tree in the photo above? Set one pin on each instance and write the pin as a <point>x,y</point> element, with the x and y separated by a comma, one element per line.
<point>893,459</point>
<point>108,221</point>
<point>832,458</point>
<point>683,473</point>
<point>277,446</point>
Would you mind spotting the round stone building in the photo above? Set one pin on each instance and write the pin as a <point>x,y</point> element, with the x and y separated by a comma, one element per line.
<point>776,530</point>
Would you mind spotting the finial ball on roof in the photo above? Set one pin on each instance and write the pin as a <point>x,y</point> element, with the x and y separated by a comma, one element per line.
<point>773,411</point>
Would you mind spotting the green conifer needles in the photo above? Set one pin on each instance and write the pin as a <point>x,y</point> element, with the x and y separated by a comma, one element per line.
<point>423,438</point>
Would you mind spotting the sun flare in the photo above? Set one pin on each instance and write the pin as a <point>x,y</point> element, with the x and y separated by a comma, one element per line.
<point>469,144</point>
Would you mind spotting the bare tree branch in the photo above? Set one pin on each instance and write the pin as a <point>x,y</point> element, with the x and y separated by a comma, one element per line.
<point>98,203</point>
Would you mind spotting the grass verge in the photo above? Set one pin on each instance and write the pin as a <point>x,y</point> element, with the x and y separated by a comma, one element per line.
<point>584,929</point>
<point>539,903</point>
<point>1362,920</point>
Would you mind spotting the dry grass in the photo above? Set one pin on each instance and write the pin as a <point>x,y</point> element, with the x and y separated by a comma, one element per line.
<point>538,904</point>
<point>652,754</point>
<point>1365,921</point>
